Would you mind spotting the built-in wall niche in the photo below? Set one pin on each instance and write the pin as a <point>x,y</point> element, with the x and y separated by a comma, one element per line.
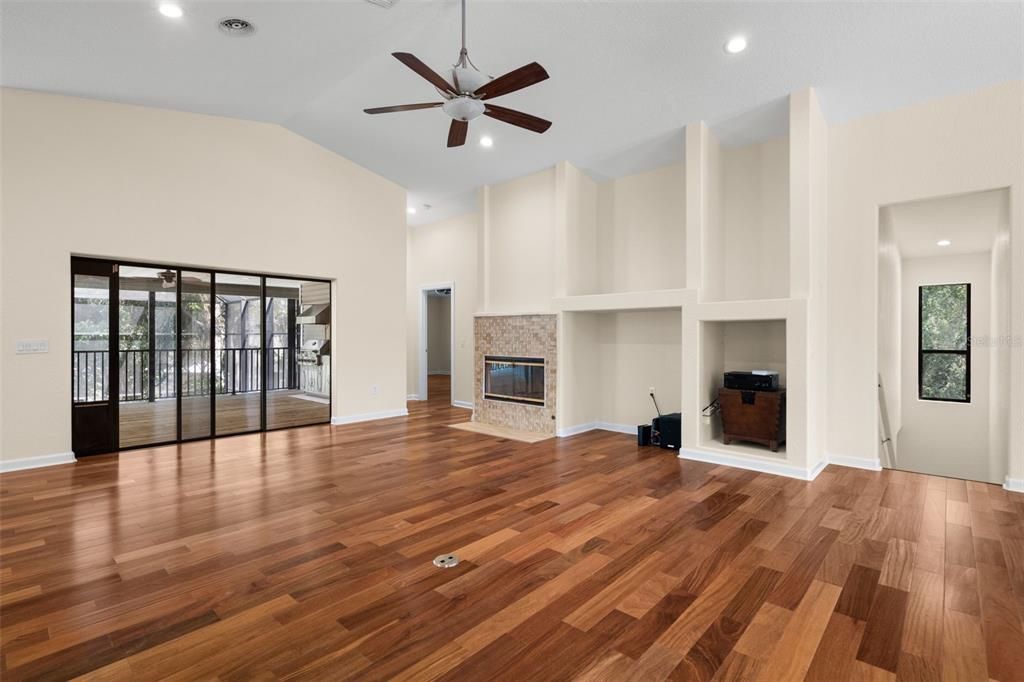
<point>641,231</point>
<point>610,362</point>
<point>738,346</point>
<point>746,235</point>
<point>627,219</point>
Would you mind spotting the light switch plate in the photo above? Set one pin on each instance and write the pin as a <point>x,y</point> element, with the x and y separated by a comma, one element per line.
<point>32,346</point>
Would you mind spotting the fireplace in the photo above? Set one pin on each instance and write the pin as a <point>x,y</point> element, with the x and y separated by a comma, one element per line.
<point>516,356</point>
<point>514,379</point>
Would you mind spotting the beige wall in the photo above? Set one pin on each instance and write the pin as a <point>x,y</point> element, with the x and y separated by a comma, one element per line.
<point>639,350</point>
<point>93,178</point>
<point>444,252</point>
<point>755,221</point>
<point>576,239</point>
<point>519,222</point>
<point>999,346</point>
<point>746,244</point>
<point>641,223</point>
<point>948,439</point>
<point>958,144</point>
<point>890,328</point>
<point>611,361</point>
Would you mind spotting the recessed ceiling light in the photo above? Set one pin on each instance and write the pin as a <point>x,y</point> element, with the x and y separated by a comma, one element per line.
<point>943,242</point>
<point>236,27</point>
<point>736,45</point>
<point>169,9</point>
<point>411,210</point>
<point>486,141</point>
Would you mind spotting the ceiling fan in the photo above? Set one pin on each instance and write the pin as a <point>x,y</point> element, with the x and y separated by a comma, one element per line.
<point>468,95</point>
<point>167,278</point>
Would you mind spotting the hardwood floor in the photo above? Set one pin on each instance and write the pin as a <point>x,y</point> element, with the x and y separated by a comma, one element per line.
<point>307,554</point>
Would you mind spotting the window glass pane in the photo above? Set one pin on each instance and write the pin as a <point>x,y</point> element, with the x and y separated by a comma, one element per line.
<point>944,317</point>
<point>196,361</point>
<point>238,361</point>
<point>148,411</point>
<point>91,339</point>
<point>944,376</point>
<point>299,355</point>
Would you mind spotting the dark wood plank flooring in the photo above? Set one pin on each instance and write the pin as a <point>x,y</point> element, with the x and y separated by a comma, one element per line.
<point>307,554</point>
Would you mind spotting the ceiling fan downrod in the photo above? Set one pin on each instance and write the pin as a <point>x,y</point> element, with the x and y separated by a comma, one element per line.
<point>464,61</point>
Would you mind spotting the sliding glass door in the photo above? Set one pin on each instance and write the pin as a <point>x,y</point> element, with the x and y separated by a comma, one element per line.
<point>196,341</point>
<point>147,356</point>
<point>93,379</point>
<point>167,354</point>
<point>298,352</point>
<point>238,355</point>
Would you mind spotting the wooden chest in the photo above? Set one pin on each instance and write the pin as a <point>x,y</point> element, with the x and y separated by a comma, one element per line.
<point>756,416</point>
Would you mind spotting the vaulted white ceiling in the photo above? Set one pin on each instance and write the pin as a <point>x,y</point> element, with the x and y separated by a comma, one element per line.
<point>625,75</point>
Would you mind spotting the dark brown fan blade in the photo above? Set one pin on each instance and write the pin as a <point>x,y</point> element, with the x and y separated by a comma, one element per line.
<point>522,77</point>
<point>517,118</point>
<point>457,133</point>
<point>402,107</point>
<point>424,71</point>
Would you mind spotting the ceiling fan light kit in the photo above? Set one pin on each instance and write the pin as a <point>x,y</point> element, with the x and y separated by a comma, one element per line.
<point>465,98</point>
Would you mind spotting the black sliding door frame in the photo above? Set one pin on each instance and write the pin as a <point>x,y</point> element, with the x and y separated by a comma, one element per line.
<point>100,268</point>
<point>177,348</point>
<point>110,268</point>
<point>264,355</point>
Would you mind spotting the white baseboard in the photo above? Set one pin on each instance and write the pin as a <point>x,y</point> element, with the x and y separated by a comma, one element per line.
<point>36,462</point>
<point>413,396</point>
<point>751,464</point>
<point>574,430</point>
<point>869,463</point>
<point>368,416</point>
<point>1014,484</point>
<point>629,429</point>
<point>463,404</point>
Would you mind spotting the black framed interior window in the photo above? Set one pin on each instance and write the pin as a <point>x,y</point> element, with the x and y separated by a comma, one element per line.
<point>944,343</point>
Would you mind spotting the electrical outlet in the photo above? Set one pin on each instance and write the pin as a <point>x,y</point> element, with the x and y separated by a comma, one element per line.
<point>375,389</point>
<point>651,389</point>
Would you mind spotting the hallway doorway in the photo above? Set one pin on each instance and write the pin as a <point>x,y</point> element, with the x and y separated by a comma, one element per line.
<point>943,323</point>
<point>437,345</point>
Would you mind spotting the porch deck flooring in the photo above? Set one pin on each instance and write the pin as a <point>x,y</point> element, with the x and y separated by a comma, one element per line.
<point>143,423</point>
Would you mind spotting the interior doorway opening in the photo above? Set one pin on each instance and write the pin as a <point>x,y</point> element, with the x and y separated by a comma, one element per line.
<point>943,335</point>
<point>437,338</point>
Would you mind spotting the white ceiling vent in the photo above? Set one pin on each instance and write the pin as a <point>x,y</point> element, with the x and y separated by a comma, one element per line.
<point>386,4</point>
<point>234,26</point>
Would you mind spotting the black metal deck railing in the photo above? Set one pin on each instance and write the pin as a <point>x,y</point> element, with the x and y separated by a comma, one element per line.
<point>145,374</point>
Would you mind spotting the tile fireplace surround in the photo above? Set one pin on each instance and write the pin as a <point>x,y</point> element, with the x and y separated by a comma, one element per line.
<point>534,336</point>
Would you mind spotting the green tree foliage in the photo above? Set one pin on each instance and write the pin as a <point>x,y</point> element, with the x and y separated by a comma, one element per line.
<point>944,327</point>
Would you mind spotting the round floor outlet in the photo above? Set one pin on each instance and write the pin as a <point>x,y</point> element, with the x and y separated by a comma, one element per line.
<point>446,561</point>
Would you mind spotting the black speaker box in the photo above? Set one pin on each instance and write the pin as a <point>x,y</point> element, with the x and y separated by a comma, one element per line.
<point>643,434</point>
<point>668,431</point>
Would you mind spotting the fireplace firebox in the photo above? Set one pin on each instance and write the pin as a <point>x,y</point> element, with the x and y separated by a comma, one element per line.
<point>514,379</point>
